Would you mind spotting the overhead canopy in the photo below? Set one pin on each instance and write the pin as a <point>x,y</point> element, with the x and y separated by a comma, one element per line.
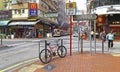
<point>4,22</point>
<point>24,23</point>
<point>46,23</point>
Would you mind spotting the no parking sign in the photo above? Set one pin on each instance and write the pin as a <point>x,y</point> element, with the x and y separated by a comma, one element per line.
<point>71,8</point>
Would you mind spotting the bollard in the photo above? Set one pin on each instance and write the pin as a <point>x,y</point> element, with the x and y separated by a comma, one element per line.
<point>81,45</point>
<point>102,46</point>
<point>45,47</point>
<point>1,39</point>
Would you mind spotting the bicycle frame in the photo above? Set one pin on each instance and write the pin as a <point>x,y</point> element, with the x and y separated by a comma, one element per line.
<point>53,48</point>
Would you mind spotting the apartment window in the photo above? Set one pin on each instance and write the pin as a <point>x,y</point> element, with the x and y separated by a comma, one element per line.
<point>23,11</point>
<point>15,11</point>
<point>19,11</point>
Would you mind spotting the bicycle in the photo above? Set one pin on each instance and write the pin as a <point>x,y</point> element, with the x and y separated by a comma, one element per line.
<point>46,55</point>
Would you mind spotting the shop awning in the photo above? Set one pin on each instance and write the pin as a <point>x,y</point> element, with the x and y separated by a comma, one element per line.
<point>24,23</point>
<point>4,22</point>
<point>46,23</point>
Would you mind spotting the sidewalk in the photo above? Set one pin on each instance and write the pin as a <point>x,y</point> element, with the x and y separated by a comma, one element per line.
<point>78,63</point>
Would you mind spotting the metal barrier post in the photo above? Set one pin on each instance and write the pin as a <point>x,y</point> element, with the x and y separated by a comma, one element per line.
<point>39,47</point>
<point>45,47</point>
<point>102,46</point>
<point>1,39</point>
<point>81,45</point>
<point>61,42</point>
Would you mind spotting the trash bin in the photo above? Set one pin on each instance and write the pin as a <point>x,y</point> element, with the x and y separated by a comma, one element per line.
<point>12,36</point>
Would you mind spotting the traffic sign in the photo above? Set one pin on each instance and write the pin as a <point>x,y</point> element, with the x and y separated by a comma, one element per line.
<point>85,17</point>
<point>71,8</point>
<point>71,5</point>
<point>71,11</point>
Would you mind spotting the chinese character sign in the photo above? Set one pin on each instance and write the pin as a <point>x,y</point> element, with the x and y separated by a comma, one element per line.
<point>33,9</point>
<point>33,6</point>
<point>33,12</point>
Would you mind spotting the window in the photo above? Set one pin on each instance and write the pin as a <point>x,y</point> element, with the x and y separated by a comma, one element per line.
<point>23,11</point>
<point>15,11</point>
<point>19,11</point>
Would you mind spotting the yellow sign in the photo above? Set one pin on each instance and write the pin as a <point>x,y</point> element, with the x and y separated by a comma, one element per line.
<point>71,5</point>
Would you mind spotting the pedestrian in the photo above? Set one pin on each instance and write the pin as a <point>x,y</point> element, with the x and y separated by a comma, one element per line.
<point>92,35</point>
<point>110,37</point>
<point>103,36</point>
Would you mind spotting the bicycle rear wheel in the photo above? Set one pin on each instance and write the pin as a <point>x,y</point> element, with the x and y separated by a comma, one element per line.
<point>61,51</point>
<point>45,56</point>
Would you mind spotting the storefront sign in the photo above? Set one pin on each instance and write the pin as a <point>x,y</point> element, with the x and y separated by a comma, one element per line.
<point>111,9</point>
<point>33,12</point>
<point>5,14</point>
<point>33,6</point>
<point>33,9</point>
<point>85,17</point>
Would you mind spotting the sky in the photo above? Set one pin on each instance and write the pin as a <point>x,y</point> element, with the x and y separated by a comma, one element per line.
<point>81,4</point>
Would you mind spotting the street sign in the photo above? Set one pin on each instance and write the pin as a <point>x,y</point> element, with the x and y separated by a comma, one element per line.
<point>71,5</point>
<point>71,11</point>
<point>33,12</point>
<point>71,8</point>
<point>85,17</point>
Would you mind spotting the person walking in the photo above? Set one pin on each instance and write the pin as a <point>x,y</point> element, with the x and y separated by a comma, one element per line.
<point>110,37</point>
<point>92,35</point>
<point>103,36</point>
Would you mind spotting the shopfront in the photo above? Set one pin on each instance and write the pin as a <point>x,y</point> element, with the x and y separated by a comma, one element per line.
<point>108,18</point>
<point>4,27</point>
<point>5,15</point>
<point>28,29</point>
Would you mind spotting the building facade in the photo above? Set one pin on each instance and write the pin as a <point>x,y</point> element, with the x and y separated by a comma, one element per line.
<point>34,16</point>
<point>108,15</point>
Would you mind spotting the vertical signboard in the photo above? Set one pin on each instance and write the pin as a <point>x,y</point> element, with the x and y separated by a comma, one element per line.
<point>33,9</point>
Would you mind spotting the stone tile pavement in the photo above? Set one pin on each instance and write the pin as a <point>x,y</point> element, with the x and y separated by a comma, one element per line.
<point>78,63</point>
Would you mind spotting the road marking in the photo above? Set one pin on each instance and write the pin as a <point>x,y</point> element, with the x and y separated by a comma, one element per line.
<point>16,44</point>
<point>31,68</point>
<point>115,54</point>
<point>21,63</point>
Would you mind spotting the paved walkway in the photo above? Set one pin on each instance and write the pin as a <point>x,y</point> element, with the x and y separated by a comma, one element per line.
<point>78,63</point>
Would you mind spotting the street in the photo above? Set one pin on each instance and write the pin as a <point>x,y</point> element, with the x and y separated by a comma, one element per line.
<point>20,50</point>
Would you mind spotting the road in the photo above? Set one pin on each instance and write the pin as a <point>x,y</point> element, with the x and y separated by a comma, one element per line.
<point>20,50</point>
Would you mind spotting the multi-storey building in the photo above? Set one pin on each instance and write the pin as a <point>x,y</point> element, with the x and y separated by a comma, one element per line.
<point>5,15</point>
<point>35,16</point>
<point>108,15</point>
<point>63,19</point>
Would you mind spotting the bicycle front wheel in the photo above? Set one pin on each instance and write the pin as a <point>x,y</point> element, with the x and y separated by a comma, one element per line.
<point>62,51</point>
<point>45,56</point>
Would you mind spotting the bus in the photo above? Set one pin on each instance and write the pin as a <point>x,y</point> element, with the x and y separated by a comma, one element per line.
<point>56,33</point>
<point>59,32</point>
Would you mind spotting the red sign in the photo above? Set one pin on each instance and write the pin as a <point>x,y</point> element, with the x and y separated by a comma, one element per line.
<point>100,19</point>
<point>33,6</point>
